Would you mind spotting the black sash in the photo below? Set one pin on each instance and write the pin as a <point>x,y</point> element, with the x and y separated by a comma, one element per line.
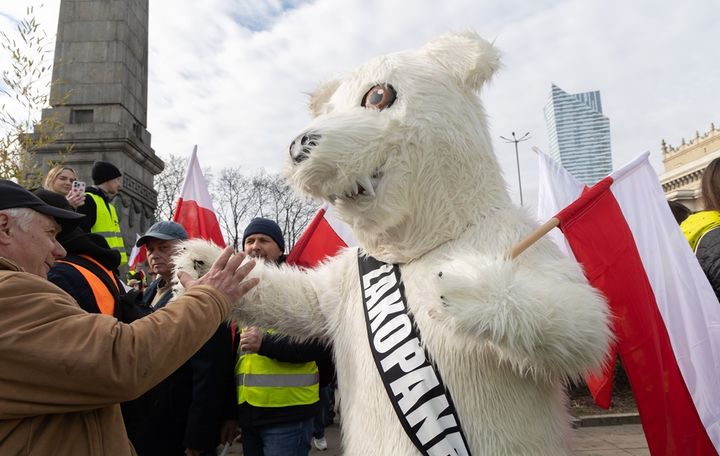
<point>413,383</point>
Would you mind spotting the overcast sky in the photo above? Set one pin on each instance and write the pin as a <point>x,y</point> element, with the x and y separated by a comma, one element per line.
<point>232,76</point>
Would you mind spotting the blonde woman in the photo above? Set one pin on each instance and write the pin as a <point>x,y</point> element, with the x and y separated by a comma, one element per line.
<point>60,180</point>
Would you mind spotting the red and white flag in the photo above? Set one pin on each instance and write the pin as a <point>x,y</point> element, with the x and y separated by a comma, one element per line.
<point>194,209</point>
<point>556,189</point>
<point>322,238</point>
<point>666,317</point>
<point>137,255</point>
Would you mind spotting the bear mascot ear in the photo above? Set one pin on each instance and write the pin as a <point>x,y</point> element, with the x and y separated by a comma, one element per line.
<point>321,95</point>
<point>469,58</point>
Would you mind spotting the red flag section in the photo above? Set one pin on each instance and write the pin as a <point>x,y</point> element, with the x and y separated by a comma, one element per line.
<point>322,238</point>
<point>558,188</point>
<point>194,209</point>
<point>601,385</point>
<point>602,241</point>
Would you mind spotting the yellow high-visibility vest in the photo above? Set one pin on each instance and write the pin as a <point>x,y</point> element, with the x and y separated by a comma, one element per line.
<point>108,226</point>
<point>264,382</point>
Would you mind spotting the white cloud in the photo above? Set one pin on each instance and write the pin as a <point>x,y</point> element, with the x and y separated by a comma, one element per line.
<point>231,76</point>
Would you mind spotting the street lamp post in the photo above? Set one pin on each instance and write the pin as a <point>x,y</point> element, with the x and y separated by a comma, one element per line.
<point>516,140</point>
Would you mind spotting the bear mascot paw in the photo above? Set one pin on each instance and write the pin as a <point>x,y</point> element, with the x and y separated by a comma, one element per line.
<point>400,148</point>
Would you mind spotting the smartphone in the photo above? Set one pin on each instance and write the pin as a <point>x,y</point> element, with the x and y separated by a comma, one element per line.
<point>78,186</point>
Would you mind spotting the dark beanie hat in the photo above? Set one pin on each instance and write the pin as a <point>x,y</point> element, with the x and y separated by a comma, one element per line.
<point>104,171</point>
<point>267,227</point>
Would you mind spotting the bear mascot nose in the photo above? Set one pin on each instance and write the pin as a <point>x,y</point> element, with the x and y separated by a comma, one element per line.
<point>302,146</point>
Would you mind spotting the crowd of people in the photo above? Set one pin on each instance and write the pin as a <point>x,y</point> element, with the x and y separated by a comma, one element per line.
<point>125,367</point>
<point>90,362</point>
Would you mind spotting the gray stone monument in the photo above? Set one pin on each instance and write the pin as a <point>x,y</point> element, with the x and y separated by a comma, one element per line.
<point>101,69</point>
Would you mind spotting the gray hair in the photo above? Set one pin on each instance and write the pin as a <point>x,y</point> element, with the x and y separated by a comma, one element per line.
<point>23,216</point>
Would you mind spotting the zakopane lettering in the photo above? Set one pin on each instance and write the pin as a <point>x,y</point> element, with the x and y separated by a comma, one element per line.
<point>419,397</point>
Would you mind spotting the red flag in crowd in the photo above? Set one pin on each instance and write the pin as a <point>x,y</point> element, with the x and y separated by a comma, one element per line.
<point>666,317</point>
<point>194,210</point>
<point>323,238</point>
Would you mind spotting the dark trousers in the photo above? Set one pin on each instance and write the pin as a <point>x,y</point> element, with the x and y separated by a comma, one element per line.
<point>283,439</point>
<point>324,417</point>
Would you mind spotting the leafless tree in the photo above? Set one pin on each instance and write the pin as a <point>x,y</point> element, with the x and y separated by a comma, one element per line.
<point>237,199</point>
<point>278,202</point>
<point>168,184</point>
<point>234,203</point>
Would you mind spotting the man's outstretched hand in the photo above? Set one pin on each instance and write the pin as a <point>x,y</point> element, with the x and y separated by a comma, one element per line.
<point>226,275</point>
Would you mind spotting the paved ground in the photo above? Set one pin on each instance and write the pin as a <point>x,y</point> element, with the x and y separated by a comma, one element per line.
<point>622,440</point>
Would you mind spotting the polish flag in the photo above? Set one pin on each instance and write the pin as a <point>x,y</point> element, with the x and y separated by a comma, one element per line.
<point>324,237</point>
<point>194,209</point>
<point>557,188</point>
<point>666,317</point>
<point>138,254</point>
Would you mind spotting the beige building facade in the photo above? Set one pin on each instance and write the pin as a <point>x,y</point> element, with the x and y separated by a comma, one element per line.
<point>685,164</point>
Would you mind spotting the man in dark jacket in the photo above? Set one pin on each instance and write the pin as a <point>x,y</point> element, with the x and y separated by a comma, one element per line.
<point>188,412</point>
<point>275,420</point>
<point>88,271</point>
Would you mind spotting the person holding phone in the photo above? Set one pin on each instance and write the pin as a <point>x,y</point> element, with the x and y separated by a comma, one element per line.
<point>63,180</point>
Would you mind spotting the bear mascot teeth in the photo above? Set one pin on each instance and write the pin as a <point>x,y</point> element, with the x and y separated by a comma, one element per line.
<point>443,345</point>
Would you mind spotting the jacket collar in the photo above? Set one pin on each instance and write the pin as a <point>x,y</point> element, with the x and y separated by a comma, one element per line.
<point>7,264</point>
<point>97,191</point>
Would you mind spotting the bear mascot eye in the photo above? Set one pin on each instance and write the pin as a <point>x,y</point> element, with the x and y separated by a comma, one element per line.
<point>379,97</point>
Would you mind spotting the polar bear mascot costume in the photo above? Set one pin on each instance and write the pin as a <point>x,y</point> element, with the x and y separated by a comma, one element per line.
<point>443,345</point>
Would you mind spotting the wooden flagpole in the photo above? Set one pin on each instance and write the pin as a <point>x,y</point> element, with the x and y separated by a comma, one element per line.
<point>533,237</point>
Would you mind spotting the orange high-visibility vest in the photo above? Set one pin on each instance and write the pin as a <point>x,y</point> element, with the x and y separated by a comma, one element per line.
<point>104,298</point>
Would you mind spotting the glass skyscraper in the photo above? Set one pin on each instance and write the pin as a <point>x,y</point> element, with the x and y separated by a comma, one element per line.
<point>579,134</point>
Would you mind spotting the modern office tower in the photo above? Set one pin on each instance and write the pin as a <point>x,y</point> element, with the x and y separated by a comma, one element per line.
<point>579,134</point>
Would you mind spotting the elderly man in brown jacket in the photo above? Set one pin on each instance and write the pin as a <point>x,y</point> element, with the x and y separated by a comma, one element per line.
<point>63,371</point>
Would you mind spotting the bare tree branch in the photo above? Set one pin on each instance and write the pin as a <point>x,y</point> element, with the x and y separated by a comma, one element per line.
<point>237,199</point>
<point>234,203</point>
<point>168,184</point>
<point>278,202</point>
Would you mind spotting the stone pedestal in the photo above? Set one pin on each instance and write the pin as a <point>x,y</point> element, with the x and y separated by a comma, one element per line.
<point>99,94</point>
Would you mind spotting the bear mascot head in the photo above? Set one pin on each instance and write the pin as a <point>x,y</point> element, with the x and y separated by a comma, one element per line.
<point>443,344</point>
<point>400,147</point>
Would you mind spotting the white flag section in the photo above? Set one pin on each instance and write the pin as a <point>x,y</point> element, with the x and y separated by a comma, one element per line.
<point>194,209</point>
<point>194,186</point>
<point>557,188</point>
<point>341,228</point>
<point>685,298</point>
<point>137,255</point>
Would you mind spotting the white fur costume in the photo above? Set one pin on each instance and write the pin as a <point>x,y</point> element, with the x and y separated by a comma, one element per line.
<point>505,334</point>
